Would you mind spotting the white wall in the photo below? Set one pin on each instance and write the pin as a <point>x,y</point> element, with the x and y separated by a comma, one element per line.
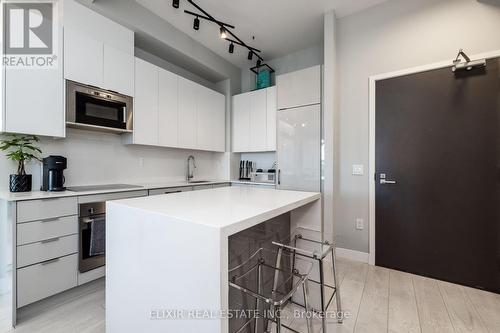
<point>395,35</point>
<point>309,57</point>
<point>101,158</point>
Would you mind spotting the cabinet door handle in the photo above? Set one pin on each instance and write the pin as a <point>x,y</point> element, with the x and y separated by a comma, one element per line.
<point>49,220</point>
<point>55,239</point>
<point>50,261</point>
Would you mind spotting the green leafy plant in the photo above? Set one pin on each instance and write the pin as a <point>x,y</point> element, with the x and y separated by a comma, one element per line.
<point>21,149</point>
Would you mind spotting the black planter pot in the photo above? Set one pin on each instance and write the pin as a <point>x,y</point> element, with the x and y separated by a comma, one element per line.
<point>20,183</point>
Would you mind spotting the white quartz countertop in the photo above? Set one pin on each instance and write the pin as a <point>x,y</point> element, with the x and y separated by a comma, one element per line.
<point>236,207</point>
<point>34,195</point>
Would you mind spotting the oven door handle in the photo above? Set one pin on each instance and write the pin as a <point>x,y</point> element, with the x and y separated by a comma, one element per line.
<point>87,220</point>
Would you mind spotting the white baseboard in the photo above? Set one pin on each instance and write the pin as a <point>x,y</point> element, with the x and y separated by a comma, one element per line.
<point>352,255</point>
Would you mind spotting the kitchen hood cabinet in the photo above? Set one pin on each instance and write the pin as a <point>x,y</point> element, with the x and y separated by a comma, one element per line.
<point>97,51</point>
<point>171,111</point>
<point>254,121</point>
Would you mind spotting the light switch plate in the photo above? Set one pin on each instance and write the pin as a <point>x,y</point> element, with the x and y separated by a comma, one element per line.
<point>358,170</point>
<point>360,224</point>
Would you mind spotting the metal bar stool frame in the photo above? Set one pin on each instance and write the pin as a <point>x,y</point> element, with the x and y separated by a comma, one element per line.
<point>319,257</point>
<point>275,306</point>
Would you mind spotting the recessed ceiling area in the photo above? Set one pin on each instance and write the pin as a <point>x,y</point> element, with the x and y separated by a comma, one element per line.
<point>277,27</point>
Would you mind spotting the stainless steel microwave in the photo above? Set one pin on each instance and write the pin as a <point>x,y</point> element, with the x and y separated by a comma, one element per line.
<point>93,108</point>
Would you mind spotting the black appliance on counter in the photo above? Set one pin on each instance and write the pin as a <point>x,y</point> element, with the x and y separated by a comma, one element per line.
<point>53,178</point>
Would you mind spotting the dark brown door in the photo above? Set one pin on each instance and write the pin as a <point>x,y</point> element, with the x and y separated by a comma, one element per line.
<point>438,138</point>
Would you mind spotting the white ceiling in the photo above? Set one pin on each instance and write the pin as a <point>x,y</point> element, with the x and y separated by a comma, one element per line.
<point>280,27</point>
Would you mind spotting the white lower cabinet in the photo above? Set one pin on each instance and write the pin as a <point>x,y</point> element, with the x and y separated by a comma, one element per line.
<point>46,250</point>
<point>36,231</point>
<point>91,275</point>
<point>202,187</point>
<point>46,210</point>
<point>170,190</point>
<point>221,185</point>
<point>45,279</point>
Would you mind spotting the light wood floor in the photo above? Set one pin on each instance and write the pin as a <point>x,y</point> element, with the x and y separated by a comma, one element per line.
<point>378,300</point>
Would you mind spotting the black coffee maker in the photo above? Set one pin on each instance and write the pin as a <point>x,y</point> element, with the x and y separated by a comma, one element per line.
<point>53,178</point>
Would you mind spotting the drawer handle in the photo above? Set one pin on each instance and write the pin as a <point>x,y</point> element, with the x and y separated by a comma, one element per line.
<point>50,261</point>
<point>49,220</point>
<point>55,239</point>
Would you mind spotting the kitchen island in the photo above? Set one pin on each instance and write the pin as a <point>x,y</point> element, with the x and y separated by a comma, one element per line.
<point>167,255</point>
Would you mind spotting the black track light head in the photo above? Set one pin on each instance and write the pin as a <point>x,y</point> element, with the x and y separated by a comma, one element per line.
<point>231,48</point>
<point>223,33</point>
<point>196,23</point>
<point>259,62</point>
<point>175,3</point>
<point>250,55</point>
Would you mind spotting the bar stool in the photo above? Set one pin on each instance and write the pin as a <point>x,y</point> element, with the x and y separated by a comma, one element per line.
<point>273,281</point>
<point>316,246</point>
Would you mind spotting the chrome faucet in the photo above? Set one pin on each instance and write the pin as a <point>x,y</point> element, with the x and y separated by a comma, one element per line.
<point>190,172</point>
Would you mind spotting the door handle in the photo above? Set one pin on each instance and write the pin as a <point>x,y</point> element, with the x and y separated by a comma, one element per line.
<point>384,181</point>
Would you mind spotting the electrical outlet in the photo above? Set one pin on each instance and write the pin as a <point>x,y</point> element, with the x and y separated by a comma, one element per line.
<point>360,224</point>
<point>358,170</point>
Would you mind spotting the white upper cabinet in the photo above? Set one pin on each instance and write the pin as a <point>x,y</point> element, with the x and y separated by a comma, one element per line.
<point>271,118</point>
<point>210,120</point>
<point>258,120</point>
<point>98,51</point>
<point>299,88</point>
<point>33,100</point>
<point>83,58</point>
<point>241,123</point>
<point>187,113</point>
<point>219,120</point>
<point>254,121</point>
<point>118,71</point>
<point>146,103</point>
<point>171,111</point>
<point>168,109</point>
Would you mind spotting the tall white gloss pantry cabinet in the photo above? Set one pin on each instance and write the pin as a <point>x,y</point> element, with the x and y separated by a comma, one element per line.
<point>171,111</point>
<point>254,121</point>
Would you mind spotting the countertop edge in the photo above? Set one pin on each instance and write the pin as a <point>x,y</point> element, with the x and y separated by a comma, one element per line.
<point>37,195</point>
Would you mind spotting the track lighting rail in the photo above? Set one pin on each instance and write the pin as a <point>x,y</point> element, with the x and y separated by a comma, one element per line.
<point>225,33</point>
<point>227,25</point>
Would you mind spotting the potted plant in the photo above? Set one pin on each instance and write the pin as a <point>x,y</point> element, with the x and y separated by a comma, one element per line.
<point>21,149</point>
